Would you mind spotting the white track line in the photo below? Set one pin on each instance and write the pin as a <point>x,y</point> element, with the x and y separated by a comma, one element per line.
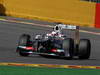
<point>29,23</point>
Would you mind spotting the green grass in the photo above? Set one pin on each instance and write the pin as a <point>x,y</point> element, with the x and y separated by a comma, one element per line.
<point>14,70</point>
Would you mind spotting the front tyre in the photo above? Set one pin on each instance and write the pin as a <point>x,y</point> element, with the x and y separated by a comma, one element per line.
<point>84,49</point>
<point>24,40</point>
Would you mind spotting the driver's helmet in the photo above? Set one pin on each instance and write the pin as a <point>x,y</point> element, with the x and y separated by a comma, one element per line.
<point>57,28</point>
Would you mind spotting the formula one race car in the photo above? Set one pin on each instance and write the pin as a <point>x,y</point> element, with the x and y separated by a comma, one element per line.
<point>55,44</point>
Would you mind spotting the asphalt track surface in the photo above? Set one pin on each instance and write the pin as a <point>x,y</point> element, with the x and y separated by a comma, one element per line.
<point>10,32</point>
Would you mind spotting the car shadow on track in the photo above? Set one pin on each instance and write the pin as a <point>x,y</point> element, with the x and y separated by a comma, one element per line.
<point>63,58</point>
<point>54,57</point>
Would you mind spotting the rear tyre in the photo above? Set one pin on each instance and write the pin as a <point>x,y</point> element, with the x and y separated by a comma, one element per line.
<point>24,40</point>
<point>84,49</point>
<point>68,46</point>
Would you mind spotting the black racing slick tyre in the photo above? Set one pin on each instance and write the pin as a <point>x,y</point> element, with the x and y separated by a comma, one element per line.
<point>84,49</point>
<point>24,40</point>
<point>68,46</point>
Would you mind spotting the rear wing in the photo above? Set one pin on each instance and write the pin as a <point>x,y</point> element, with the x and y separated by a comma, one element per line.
<point>69,27</point>
<point>72,27</point>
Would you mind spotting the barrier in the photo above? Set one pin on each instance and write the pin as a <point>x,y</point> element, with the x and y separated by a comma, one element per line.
<point>66,11</point>
<point>97,18</point>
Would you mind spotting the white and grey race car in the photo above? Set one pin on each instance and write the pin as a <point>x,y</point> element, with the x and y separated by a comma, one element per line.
<point>55,43</point>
